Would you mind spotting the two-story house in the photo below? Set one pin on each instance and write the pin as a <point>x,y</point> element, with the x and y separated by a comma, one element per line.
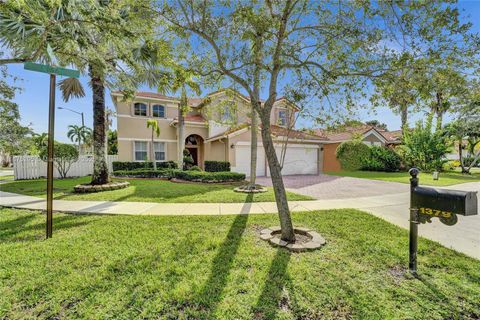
<point>216,128</point>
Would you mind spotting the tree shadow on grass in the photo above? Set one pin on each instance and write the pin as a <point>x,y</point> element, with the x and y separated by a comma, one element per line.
<point>273,297</point>
<point>211,293</point>
<point>19,230</point>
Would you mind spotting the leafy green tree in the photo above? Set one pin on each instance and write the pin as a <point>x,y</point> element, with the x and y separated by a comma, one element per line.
<point>112,142</point>
<point>153,125</point>
<point>397,88</point>
<point>323,49</point>
<point>467,128</point>
<point>40,140</point>
<point>64,156</point>
<point>424,148</point>
<point>79,134</point>
<point>111,41</point>
<point>13,135</point>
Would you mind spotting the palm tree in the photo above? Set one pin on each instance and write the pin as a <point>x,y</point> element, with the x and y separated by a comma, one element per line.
<point>78,134</point>
<point>183,79</point>
<point>152,123</point>
<point>40,140</point>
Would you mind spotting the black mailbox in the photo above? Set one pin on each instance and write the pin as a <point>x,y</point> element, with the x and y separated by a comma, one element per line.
<point>456,202</point>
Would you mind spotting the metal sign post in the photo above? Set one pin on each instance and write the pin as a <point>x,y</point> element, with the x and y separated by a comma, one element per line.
<point>427,203</point>
<point>53,71</point>
<point>51,129</point>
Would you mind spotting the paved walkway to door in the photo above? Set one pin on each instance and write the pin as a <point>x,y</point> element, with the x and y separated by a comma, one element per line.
<point>332,187</point>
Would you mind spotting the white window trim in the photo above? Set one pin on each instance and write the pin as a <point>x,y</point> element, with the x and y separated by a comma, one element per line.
<point>280,118</point>
<point>164,150</point>
<point>134,150</point>
<point>133,109</point>
<point>164,111</point>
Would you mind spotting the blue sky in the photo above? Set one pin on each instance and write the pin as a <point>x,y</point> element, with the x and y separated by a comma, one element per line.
<point>33,99</point>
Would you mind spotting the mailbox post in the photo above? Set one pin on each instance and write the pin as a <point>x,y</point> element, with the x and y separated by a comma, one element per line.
<point>413,238</point>
<point>427,203</point>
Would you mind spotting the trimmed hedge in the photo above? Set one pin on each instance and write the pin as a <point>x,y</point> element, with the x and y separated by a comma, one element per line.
<point>351,154</point>
<point>132,165</point>
<point>145,173</point>
<point>381,159</point>
<point>217,166</point>
<point>196,176</point>
<point>202,176</point>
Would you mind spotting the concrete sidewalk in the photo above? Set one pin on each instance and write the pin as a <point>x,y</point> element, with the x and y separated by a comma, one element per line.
<point>394,208</point>
<point>150,208</point>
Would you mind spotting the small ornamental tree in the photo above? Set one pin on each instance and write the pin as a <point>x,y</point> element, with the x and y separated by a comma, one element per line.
<point>423,148</point>
<point>64,156</point>
<point>352,154</point>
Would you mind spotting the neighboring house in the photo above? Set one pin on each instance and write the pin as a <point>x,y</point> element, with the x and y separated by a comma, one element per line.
<point>370,135</point>
<point>216,128</point>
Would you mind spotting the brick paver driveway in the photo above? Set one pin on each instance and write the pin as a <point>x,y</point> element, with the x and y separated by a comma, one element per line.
<point>331,187</point>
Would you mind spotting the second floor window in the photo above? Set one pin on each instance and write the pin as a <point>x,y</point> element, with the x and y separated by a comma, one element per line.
<point>282,118</point>
<point>140,109</point>
<point>226,114</point>
<point>158,111</point>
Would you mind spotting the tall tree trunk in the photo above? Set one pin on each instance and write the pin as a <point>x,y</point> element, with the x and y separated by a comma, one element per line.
<point>439,119</point>
<point>404,116</point>
<point>253,149</point>
<point>460,156</point>
<point>152,156</point>
<point>277,181</point>
<point>181,128</point>
<point>100,168</point>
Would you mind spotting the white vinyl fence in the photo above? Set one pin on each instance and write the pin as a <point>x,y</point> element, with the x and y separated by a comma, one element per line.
<point>32,167</point>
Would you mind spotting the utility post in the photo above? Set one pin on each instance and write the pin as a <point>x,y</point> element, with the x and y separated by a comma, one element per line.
<point>413,239</point>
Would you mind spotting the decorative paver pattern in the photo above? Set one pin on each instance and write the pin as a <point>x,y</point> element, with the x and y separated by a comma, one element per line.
<point>332,187</point>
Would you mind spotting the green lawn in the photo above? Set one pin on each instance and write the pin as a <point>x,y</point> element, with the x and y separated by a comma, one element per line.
<point>6,178</point>
<point>216,267</point>
<point>446,178</point>
<point>145,191</point>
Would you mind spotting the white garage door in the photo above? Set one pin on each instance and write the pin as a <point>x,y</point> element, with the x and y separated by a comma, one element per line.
<point>242,160</point>
<point>299,159</point>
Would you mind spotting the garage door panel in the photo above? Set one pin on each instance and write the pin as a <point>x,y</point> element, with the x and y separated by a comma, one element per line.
<point>299,160</point>
<point>242,160</point>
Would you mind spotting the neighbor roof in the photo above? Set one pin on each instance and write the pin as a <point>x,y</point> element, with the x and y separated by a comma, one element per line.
<point>349,132</point>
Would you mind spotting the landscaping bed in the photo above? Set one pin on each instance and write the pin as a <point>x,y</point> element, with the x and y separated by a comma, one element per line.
<point>146,190</point>
<point>128,267</point>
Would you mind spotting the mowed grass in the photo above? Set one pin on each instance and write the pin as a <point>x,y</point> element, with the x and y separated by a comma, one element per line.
<point>446,178</point>
<point>216,267</point>
<point>145,191</point>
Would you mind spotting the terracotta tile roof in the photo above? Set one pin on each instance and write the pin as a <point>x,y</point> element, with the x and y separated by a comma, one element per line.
<point>150,95</point>
<point>349,132</point>
<point>392,136</point>
<point>292,133</point>
<point>194,118</point>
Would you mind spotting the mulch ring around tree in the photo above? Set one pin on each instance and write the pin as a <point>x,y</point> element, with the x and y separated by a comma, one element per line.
<point>249,189</point>
<point>305,239</point>
<point>88,188</point>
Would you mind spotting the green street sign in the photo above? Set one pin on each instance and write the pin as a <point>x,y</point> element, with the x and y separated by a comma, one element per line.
<point>51,70</point>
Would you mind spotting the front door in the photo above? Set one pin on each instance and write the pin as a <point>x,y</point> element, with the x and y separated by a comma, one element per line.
<point>194,154</point>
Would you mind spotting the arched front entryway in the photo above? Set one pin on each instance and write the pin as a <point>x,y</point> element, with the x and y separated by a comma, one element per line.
<point>194,144</point>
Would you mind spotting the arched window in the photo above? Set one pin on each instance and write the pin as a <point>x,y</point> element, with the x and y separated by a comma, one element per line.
<point>158,111</point>
<point>140,109</point>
